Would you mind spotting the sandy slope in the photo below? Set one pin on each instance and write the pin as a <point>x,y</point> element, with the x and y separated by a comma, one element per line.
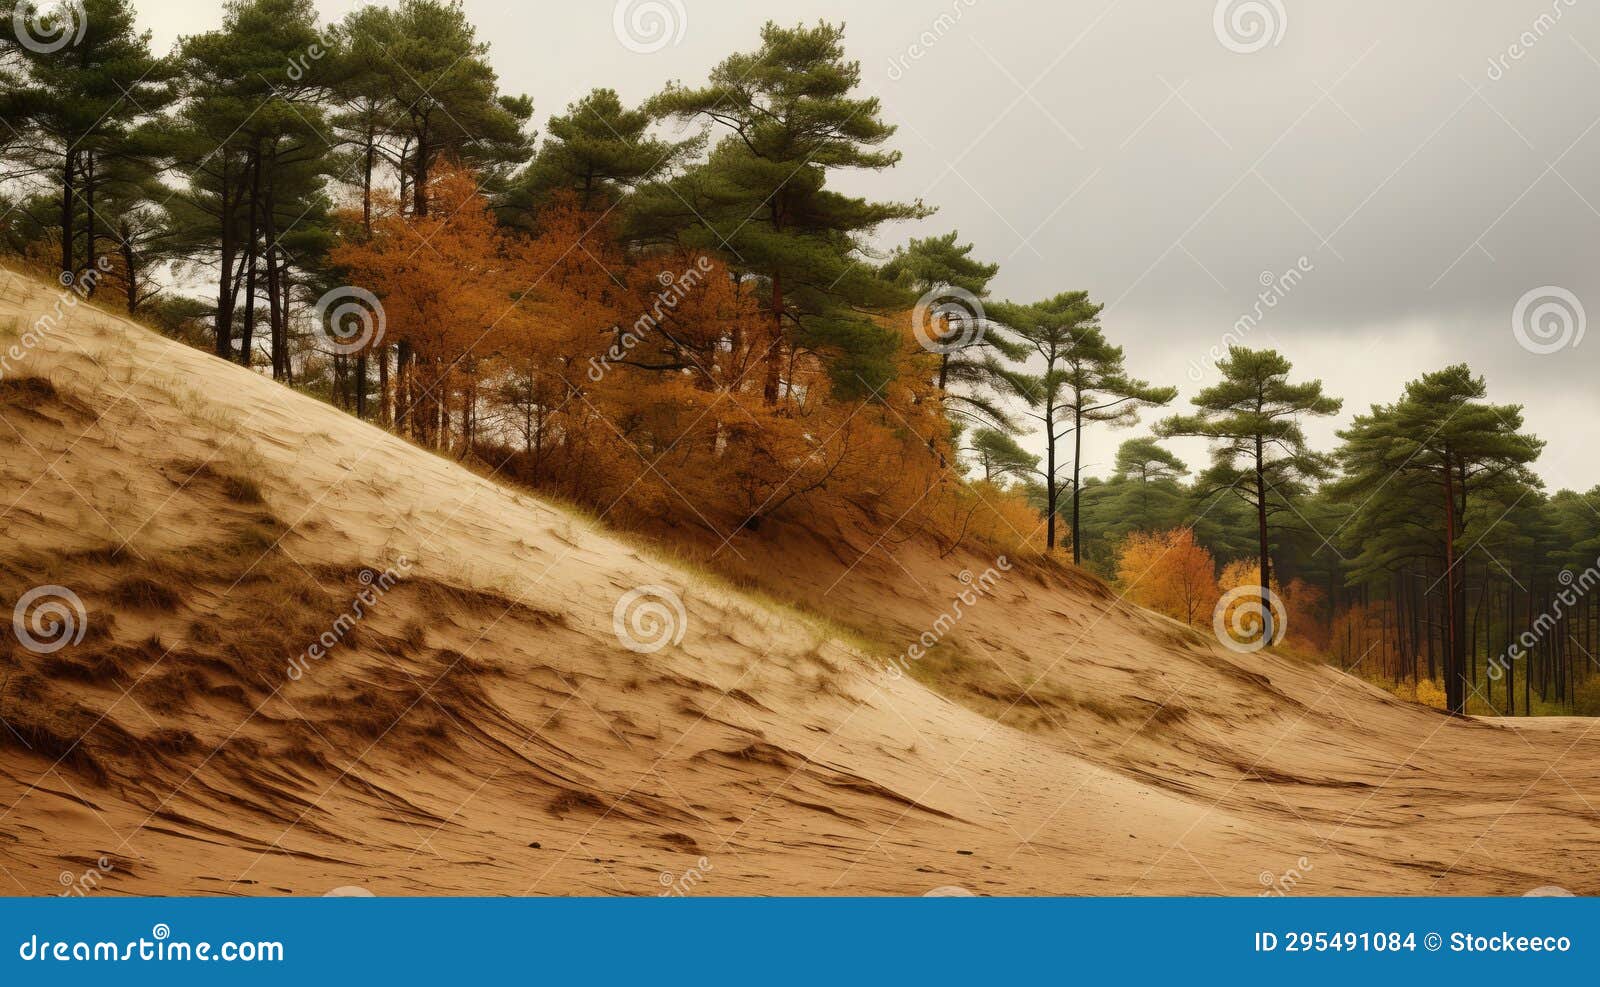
<point>481,731</point>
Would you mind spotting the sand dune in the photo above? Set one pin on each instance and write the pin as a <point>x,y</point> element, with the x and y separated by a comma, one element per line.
<point>478,728</point>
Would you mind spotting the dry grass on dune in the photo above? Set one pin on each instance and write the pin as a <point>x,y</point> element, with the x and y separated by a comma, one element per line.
<point>479,729</point>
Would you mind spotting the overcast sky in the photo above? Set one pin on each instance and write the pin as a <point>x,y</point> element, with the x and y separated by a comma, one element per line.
<point>1426,164</point>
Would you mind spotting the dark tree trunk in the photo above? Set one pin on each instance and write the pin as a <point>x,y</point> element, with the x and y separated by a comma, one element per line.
<point>1077,459</point>
<point>247,331</point>
<point>1268,632</point>
<point>227,255</point>
<point>87,172</point>
<point>1050,473</point>
<point>769,388</point>
<point>385,405</point>
<point>130,266</point>
<point>1455,619</point>
<point>419,180</point>
<point>67,206</point>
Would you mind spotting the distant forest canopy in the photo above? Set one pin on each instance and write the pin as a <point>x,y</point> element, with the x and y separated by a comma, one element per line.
<point>667,312</point>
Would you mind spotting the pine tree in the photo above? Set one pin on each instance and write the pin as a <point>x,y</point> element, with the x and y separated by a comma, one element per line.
<point>450,106</point>
<point>1085,380</point>
<point>1000,457</point>
<point>597,150</point>
<point>971,368</point>
<point>78,106</point>
<point>1451,452</point>
<point>1260,452</point>
<point>253,139</point>
<point>762,198</point>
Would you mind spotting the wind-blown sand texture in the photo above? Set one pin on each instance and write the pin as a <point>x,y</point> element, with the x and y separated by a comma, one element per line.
<point>481,731</point>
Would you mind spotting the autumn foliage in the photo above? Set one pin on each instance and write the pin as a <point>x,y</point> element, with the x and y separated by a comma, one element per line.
<point>631,381</point>
<point>1169,572</point>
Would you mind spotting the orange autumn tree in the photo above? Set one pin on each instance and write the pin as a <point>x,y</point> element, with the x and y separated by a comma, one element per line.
<point>629,378</point>
<point>446,289</point>
<point>1169,572</point>
<point>1301,604</point>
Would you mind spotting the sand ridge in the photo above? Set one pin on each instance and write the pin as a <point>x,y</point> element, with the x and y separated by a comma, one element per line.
<point>480,729</point>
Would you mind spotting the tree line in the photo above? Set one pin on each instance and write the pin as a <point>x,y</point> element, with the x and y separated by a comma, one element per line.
<point>669,312</point>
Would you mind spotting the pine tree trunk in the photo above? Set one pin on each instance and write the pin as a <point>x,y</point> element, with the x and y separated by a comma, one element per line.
<point>769,388</point>
<point>1267,630</point>
<point>385,399</point>
<point>227,254</point>
<point>130,264</point>
<point>1050,473</point>
<point>67,206</point>
<point>247,331</point>
<point>1077,460</point>
<point>419,180</point>
<point>1455,620</point>
<point>87,288</point>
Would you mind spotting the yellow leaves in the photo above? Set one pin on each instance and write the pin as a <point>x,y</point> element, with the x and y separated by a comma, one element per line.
<point>1169,572</point>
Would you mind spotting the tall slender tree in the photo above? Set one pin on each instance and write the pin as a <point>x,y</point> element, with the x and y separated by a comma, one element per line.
<point>794,119</point>
<point>1085,380</point>
<point>1259,452</point>
<point>80,101</point>
<point>447,96</point>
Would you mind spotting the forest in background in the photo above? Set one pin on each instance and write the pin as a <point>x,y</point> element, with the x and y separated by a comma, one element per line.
<point>669,314</point>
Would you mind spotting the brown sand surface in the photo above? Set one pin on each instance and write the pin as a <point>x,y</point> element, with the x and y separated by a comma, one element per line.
<point>479,730</point>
